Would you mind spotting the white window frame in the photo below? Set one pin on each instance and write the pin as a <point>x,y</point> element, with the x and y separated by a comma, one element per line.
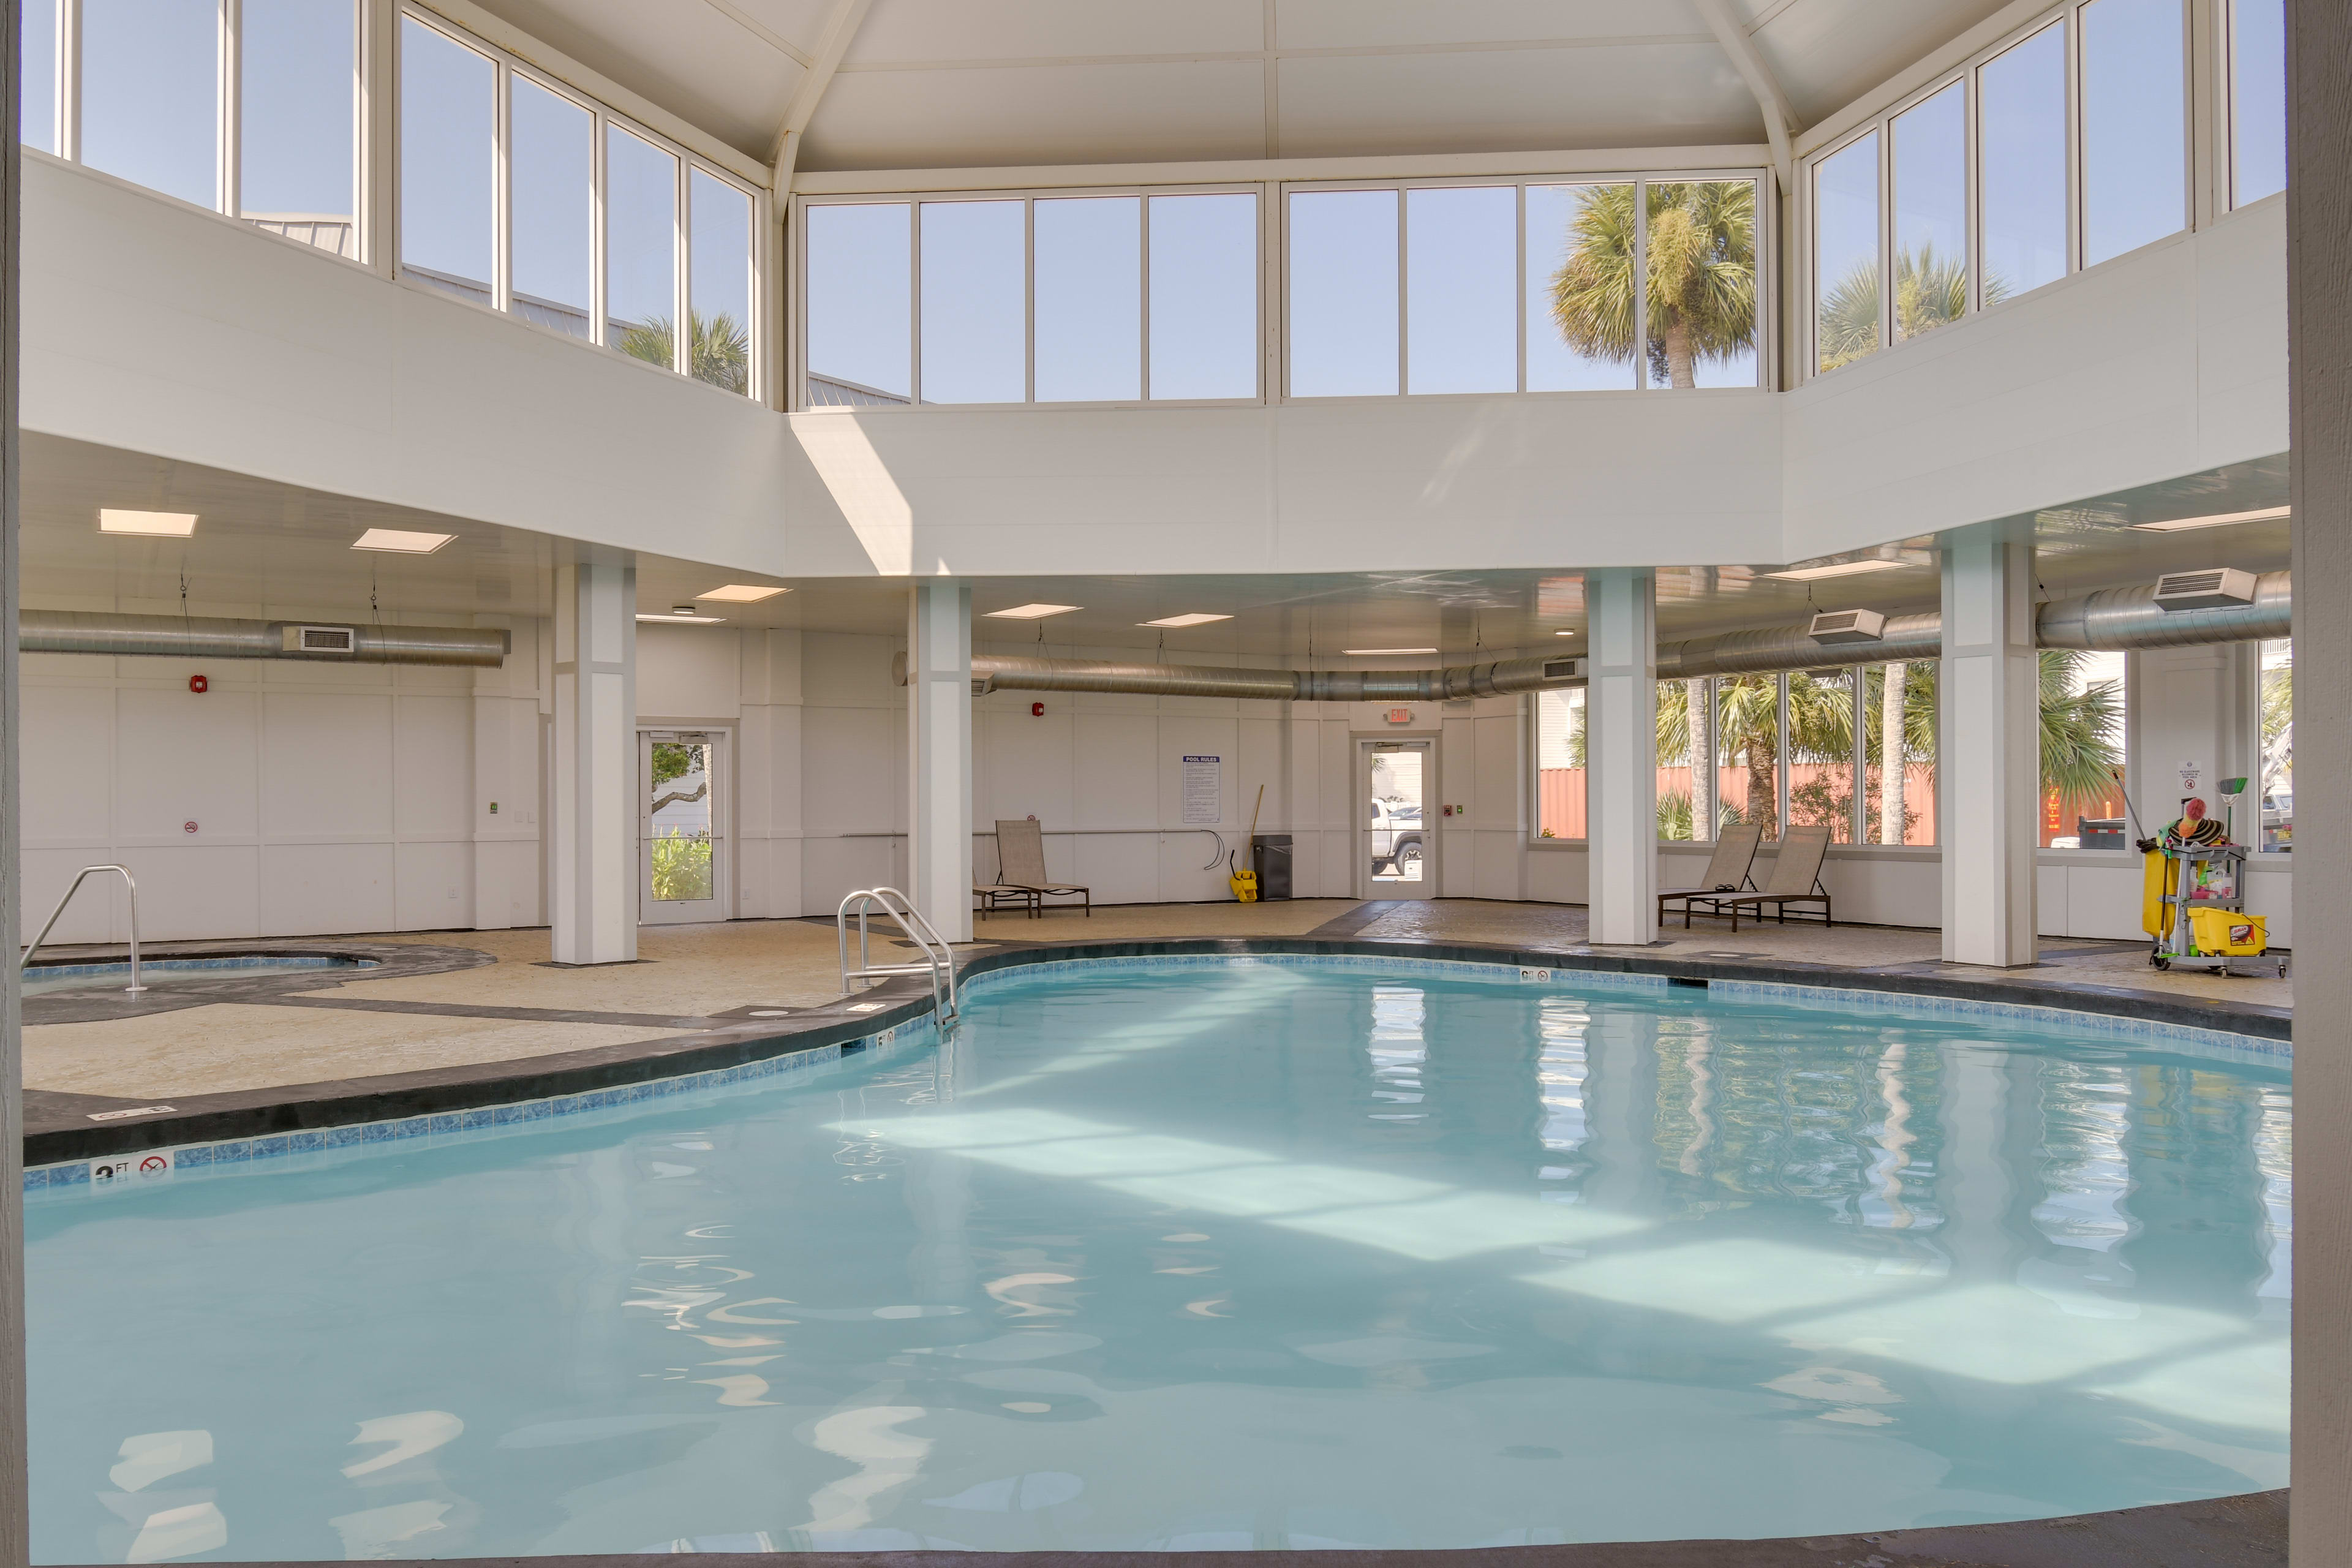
<point>507,66</point>
<point>2225,98</point>
<point>1028,196</point>
<point>228,109</point>
<point>1768,335</point>
<point>2198,53</point>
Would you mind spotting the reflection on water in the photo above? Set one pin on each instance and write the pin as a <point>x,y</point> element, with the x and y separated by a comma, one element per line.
<point>1252,1256</point>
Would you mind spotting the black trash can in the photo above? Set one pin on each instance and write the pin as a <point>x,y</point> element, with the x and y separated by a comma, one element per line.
<point>1270,858</point>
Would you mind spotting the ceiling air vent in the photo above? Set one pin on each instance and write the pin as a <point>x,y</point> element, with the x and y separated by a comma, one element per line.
<point>1560,670</point>
<point>1847,626</point>
<point>321,639</point>
<point>2216,590</point>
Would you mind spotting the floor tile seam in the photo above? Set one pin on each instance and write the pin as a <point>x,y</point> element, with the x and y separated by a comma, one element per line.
<point>486,1010</point>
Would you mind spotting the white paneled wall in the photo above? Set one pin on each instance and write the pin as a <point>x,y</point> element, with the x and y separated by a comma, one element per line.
<point>346,799</point>
<point>287,799</point>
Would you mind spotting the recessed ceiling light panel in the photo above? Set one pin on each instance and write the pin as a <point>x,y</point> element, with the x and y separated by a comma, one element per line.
<point>1563,634</point>
<point>1838,569</point>
<point>685,620</point>
<point>1032,611</point>
<point>1191,620</point>
<point>741,593</point>
<point>153,524</point>
<point>2181,524</point>
<point>1383,652</point>
<point>402,541</point>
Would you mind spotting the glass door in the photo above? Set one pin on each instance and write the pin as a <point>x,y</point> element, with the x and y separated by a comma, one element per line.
<point>1397,853</point>
<point>681,826</point>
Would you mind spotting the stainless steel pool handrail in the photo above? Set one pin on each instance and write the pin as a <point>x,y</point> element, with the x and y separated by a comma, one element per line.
<point>939,962</point>
<point>130,881</point>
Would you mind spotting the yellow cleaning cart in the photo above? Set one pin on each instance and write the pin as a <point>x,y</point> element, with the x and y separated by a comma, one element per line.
<point>2194,904</point>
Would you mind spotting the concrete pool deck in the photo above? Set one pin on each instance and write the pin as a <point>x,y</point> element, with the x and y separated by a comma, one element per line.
<point>470,999</point>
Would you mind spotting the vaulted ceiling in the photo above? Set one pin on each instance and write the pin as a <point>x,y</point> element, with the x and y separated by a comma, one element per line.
<point>966,83</point>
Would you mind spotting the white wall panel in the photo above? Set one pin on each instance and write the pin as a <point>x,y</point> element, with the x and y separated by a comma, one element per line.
<point>314,889</point>
<point>326,765</point>
<point>688,672</point>
<point>432,886</point>
<point>433,765</point>
<point>66,765</point>
<point>183,758</point>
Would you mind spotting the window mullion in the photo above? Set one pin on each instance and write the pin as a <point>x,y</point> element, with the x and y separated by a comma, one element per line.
<point>1780,772</point>
<point>227,59</point>
<point>502,191</point>
<point>1641,284</point>
<point>1143,284</point>
<point>599,271</point>
<point>681,337</point>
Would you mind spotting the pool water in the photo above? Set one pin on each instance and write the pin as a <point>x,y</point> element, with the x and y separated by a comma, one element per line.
<point>1252,1253</point>
<point>42,979</point>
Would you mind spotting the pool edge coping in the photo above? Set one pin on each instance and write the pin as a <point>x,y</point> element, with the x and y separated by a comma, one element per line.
<point>299,1117</point>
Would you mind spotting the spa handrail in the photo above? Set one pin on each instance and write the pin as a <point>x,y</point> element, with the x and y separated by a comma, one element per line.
<point>939,962</point>
<point>134,988</point>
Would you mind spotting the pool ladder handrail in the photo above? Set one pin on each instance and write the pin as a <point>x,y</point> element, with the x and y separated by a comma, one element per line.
<point>939,962</point>
<point>134,988</point>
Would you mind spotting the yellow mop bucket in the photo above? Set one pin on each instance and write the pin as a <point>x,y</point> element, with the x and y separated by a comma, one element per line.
<point>2228,933</point>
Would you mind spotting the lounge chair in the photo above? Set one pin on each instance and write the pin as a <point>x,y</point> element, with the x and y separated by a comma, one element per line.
<point>1796,879</point>
<point>1020,867</point>
<point>1727,869</point>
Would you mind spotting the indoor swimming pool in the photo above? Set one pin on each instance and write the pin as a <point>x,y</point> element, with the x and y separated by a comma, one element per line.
<point>1214,1254</point>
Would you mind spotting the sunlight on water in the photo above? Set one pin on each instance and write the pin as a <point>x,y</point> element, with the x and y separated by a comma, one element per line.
<point>1263,1255</point>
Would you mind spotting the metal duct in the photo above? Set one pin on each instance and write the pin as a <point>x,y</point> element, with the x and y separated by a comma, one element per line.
<point>2129,618</point>
<point>1773,648</point>
<point>207,637</point>
<point>994,672</point>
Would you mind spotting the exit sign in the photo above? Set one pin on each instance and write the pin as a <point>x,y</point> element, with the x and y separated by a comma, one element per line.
<point>1399,715</point>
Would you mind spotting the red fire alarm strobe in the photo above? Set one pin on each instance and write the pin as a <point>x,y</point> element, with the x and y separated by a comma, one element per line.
<point>198,684</point>
<point>1036,709</point>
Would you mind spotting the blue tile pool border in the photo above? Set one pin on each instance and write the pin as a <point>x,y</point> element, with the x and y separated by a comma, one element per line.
<point>688,1065</point>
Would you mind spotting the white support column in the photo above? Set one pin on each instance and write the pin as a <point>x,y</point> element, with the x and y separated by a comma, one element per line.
<point>592,828</point>
<point>938,753</point>
<point>1621,756</point>
<point>1988,750</point>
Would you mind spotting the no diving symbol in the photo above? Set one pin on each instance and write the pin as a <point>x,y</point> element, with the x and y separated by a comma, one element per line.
<point>153,1163</point>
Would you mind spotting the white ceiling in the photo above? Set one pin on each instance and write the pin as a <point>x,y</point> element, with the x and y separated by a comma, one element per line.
<point>264,549</point>
<point>966,83</point>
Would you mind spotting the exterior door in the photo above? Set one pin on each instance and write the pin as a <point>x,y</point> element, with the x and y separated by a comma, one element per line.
<point>681,826</point>
<point>1396,844</point>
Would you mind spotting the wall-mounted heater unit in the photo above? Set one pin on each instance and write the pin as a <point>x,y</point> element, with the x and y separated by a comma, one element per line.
<point>2223,588</point>
<point>321,639</point>
<point>1832,627</point>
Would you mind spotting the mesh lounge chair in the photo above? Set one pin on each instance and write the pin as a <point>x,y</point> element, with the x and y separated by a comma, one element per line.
<point>1796,879</point>
<point>1727,869</point>
<point>1020,867</point>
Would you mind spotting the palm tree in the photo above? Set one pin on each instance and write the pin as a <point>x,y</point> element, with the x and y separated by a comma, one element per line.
<point>1698,287</point>
<point>1929,290</point>
<point>2079,755</point>
<point>719,351</point>
<point>2278,726</point>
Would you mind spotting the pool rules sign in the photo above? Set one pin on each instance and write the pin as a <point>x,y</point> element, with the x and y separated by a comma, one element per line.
<point>1204,792</point>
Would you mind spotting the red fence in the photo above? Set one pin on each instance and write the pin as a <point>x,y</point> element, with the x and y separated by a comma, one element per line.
<point>1561,805</point>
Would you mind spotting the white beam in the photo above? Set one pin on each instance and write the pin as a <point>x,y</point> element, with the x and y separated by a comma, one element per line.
<point>840,32</point>
<point>1988,766</point>
<point>1780,120</point>
<point>939,754</point>
<point>1621,730</point>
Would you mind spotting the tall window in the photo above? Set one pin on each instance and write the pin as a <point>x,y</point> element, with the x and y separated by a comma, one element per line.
<point>2277,793</point>
<point>150,94</point>
<point>1846,260</point>
<point>2257,52</point>
<point>2083,750</point>
<point>1747,751</point>
<point>1821,751</point>
<point>1897,714</point>
<point>448,161</point>
<point>2021,104</point>
<point>1008,298</point>
<point>568,161</point>
<point>297,143</point>
<point>36,105</point>
<point>1931,212</point>
<point>1536,288</point>
<point>1688,786</point>
<point>1559,763</point>
<point>2134,126</point>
